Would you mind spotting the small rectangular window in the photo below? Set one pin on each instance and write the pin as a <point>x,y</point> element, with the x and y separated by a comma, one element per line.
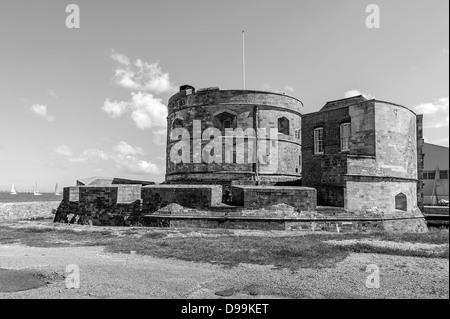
<point>345,137</point>
<point>431,175</point>
<point>318,140</point>
<point>443,175</point>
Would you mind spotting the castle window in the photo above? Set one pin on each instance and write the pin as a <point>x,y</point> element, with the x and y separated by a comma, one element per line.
<point>178,123</point>
<point>318,141</point>
<point>345,137</point>
<point>224,120</point>
<point>283,125</point>
<point>401,202</point>
<point>227,123</point>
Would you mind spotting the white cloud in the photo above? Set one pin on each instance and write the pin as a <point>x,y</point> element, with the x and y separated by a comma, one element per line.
<point>84,157</point>
<point>125,158</point>
<point>145,110</point>
<point>352,93</point>
<point>95,153</point>
<point>24,100</point>
<point>52,93</point>
<point>63,150</point>
<point>141,75</point>
<point>446,51</point>
<point>120,58</point>
<point>288,89</point>
<point>159,136</point>
<point>41,110</point>
<point>114,108</point>
<point>436,114</point>
<point>129,164</point>
<point>126,149</point>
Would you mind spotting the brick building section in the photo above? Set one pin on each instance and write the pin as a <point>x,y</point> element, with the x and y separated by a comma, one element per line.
<point>383,160</point>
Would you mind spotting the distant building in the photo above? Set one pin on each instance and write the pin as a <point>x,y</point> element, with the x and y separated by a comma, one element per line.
<point>435,173</point>
<point>108,181</point>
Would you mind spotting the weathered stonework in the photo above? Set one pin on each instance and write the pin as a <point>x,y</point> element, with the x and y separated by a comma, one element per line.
<point>374,184</point>
<point>245,110</point>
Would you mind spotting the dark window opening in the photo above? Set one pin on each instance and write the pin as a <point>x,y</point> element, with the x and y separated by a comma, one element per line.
<point>225,120</point>
<point>227,123</point>
<point>178,123</point>
<point>283,125</point>
<point>401,202</point>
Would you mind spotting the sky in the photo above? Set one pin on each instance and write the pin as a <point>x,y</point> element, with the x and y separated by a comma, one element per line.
<point>91,101</point>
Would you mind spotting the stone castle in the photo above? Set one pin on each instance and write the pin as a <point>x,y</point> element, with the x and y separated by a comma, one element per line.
<point>354,165</point>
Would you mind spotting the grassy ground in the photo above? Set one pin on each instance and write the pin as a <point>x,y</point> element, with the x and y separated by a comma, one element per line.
<point>227,249</point>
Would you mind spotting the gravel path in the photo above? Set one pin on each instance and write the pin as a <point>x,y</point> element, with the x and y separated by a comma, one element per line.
<point>106,275</point>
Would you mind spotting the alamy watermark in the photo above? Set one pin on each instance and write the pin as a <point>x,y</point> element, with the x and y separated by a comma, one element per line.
<point>236,146</point>
<point>73,19</point>
<point>373,19</point>
<point>72,277</point>
<point>373,279</point>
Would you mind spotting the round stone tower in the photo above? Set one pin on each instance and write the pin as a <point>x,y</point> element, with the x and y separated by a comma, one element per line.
<point>233,137</point>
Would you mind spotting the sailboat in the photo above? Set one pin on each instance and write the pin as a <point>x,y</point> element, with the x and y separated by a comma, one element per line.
<point>57,193</point>
<point>36,192</point>
<point>13,190</point>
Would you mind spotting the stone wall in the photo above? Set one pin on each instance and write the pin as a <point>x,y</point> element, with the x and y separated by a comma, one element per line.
<point>383,149</point>
<point>192,196</point>
<point>253,197</point>
<point>325,172</point>
<point>117,205</point>
<point>381,195</point>
<point>246,110</point>
<point>26,211</point>
<point>396,136</point>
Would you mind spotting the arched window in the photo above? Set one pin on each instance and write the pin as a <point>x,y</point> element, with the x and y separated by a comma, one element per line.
<point>283,125</point>
<point>401,202</point>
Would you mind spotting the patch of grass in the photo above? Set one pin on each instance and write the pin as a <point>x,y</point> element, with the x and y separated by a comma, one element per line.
<point>366,248</point>
<point>288,252</point>
<point>51,237</point>
<point>309,251</point>
<point>154,235</point>
<point>436,236</point>
<point>130,232</point>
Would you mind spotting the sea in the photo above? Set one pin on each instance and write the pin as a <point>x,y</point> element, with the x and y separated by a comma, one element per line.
<point>28,197</point>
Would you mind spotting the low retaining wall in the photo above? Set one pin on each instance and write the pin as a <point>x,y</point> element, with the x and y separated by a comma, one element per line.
<point>193,196</point>
<point>252,197</point>
<point>261,207</point>
<point>26,211</point>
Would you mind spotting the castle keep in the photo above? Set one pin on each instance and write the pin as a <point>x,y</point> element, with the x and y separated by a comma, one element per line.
<point>354,165</point>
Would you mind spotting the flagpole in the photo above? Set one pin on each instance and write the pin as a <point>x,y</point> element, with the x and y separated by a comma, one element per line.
<point>243,59</point>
